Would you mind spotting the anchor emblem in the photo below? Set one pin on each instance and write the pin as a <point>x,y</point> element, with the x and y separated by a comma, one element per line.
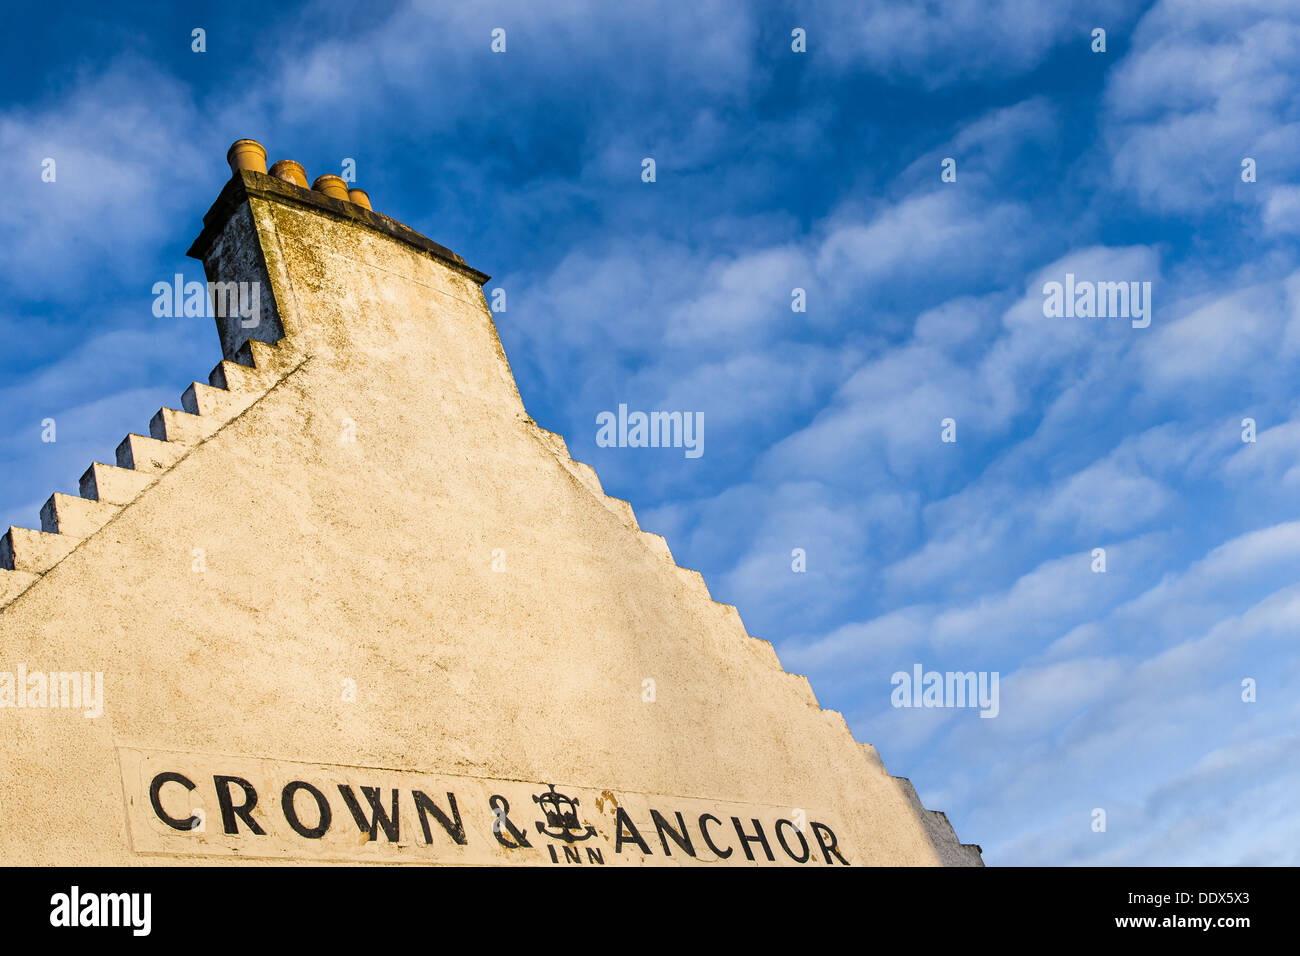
<point>561,817</point>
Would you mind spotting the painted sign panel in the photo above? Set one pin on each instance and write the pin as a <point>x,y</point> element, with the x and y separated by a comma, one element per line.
<point>214,805</point>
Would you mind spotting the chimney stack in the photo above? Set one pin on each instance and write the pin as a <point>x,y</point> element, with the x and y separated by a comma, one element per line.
<point>234,254</point>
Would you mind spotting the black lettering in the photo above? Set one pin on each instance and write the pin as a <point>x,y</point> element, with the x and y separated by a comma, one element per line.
<point>229,811</point>
<point>381,819</point>
<point>745,841</point>
<point>704,831</point>
<point>823,831</point>
<point>680,836</point>
<point>453,825</point>
<point>571,855</point>
<point>154,790</point>
<point>324,814</point>
<point>594,855</point>
<point>501,810</point>
<point>623,821</point>
<point>780,837</point>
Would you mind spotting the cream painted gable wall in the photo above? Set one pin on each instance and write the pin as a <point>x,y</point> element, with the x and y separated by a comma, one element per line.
<point>330,518</point>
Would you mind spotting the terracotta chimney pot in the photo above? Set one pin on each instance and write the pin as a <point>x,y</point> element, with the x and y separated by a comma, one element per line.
<point>332,186</point>
<point>246,154</point>
<point>290,172</point>
<point>360,197</point>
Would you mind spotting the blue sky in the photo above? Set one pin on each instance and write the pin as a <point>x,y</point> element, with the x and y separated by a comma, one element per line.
<point>777,170</point>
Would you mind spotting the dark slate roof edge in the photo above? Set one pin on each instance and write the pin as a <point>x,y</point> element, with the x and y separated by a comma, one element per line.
<point>247,183</point>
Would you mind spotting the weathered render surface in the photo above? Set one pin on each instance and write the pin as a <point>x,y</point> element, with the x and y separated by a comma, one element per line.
<point>236,569</point>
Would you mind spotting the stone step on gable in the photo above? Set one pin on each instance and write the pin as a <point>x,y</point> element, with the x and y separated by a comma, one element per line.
<point>271,361</point>
<point>658,544</point>
<point>587,475</point>
<point>693,581</point>
<point>35,552</point>
<point>239,377</point>
<point>201,399</point>
<point>173,425</point>
<point>75,516</point>
<point>149,455</point>
<point>114,485</point>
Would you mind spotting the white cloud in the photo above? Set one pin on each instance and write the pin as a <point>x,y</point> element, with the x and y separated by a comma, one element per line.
<point>1236,336</point>
<point>127,147</point>
<point>958,41</point>
<point>1204,86</point>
